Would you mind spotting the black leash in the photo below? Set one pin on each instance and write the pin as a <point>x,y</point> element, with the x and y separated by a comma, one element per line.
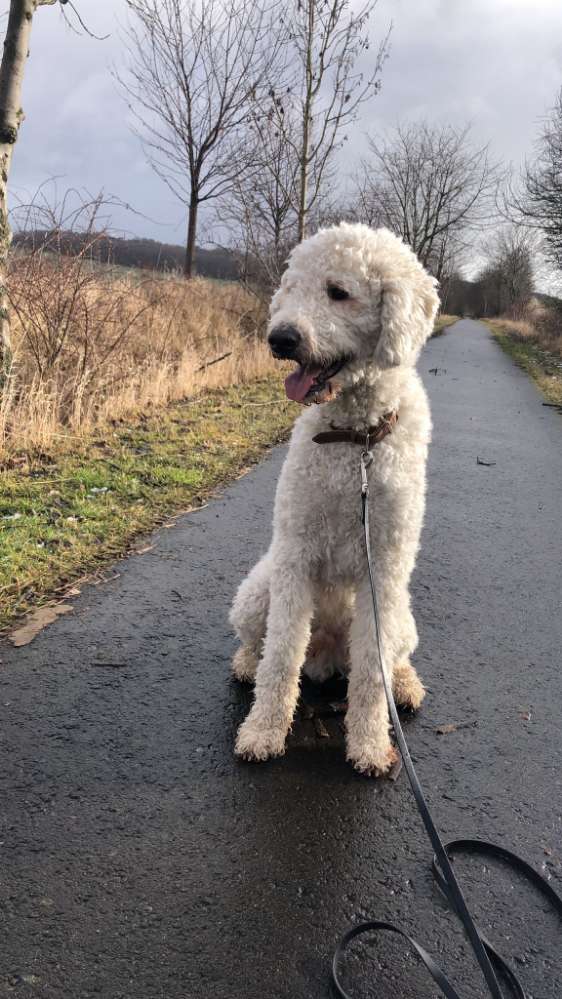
<point>491,963</point>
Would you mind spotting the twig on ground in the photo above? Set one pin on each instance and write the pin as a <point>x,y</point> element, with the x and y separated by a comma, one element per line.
<point>215,360</point>
<point>111,665</point>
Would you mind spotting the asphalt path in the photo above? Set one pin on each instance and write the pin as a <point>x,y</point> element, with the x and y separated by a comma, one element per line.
<point>139,859</point>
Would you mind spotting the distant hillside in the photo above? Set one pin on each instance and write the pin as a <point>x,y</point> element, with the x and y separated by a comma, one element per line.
<point>147,254</point>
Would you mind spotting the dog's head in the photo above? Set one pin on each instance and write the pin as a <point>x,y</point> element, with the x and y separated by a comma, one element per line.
<point>352,299</point>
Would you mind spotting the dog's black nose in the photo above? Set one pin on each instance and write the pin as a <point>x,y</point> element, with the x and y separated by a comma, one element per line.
<point>284,341</point>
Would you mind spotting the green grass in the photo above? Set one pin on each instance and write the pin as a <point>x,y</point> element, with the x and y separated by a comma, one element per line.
<point>65,514</point>
<point>544,368</point>
<point>442,322</point>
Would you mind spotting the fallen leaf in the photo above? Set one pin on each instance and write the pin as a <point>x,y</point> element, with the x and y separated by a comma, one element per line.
<point>320,729</point>
<point>525,715</point>
<point>454,727</point>
<point>35,623</point>
<point>143,551</point>
<point>395,770</point>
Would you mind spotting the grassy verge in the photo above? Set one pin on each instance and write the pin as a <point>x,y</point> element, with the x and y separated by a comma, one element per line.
<point>67,512</point>
<point>544,368</point>
<point>442,322</point>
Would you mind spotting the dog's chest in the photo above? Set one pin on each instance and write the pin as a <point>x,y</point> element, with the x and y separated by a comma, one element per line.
<point>318,502</point>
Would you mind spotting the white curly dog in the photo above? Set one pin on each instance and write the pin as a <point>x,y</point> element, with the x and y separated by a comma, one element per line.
<point>353,310</point>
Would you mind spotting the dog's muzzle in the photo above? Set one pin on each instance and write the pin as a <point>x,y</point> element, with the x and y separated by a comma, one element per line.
<point>284,342</point>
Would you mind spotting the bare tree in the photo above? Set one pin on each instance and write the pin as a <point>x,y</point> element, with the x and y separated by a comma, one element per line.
<point>537,201</point>
<point>261,213</point>
<point>326,89</point>
<point>431,186</point>
<point>197,71</point>
<point>16,50</point>
<point>506,282</point>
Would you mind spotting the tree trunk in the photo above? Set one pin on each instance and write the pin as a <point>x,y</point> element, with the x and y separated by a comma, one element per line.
<point>189,265</point>
<point>16,48</point>
<point>306,122</point>
<point>303,182</point>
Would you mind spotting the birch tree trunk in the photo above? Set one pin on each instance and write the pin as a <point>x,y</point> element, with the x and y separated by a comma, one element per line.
<point>16,48</point>
<point>306,121</point>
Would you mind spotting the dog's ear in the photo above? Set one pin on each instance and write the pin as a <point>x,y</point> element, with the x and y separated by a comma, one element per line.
<point>408,309</point>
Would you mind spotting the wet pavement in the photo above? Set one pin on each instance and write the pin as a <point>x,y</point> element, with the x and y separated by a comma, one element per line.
<point>141,860</point>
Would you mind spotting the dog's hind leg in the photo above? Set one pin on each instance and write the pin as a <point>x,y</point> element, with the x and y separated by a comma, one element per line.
<point>276,693</point>
<point>248,616</point>
<point>407,687</point>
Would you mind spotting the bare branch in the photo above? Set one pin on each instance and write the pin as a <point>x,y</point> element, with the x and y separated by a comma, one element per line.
<point>536,201</point>
<point>84,27</point>
<point>327,38</point>
<point>431,186</point>
<point>197,71</point>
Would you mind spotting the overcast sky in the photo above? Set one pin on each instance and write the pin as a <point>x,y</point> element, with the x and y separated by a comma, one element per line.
<point>497,63</point>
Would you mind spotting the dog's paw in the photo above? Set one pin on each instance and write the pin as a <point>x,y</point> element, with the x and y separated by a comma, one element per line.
<point>374,762</point>
<point>407,687</point>
<point>256,742</point>
<point>244,665</point>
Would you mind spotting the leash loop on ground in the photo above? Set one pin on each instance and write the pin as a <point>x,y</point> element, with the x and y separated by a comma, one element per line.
<point>487,957</point>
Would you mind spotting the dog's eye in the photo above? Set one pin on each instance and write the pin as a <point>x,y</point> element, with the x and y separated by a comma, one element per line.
<point>336,293</point>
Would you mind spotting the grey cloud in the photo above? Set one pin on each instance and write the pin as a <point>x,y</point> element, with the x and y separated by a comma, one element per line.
<point>497,63</point>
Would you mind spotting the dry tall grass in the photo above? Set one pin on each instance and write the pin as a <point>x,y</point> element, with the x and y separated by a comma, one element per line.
<point>541,325</point>
<point>93,344</point>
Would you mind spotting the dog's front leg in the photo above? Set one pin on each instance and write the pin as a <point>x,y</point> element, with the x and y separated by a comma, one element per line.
<point>276,693</point>
<point>368,741</point>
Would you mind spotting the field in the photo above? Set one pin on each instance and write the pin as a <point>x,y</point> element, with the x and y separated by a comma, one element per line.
<point>131,398</point>
<point>91,345</point>
<point>69,510</point>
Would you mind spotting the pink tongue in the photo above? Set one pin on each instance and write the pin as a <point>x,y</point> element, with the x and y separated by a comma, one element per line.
<point>300,382</point>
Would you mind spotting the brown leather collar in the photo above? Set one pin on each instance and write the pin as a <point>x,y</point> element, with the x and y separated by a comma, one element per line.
<point>374,435</point>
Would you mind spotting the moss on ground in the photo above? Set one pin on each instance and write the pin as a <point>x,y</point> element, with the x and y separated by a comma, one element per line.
<point>544,368</point>
<point>64,514</point>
